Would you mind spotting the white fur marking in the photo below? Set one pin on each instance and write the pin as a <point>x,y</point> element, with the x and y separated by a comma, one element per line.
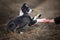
<point>30,11</point>
<point>36,17</point>
<point>21,13</point>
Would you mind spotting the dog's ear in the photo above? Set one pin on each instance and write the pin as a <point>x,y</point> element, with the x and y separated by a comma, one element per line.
<point>24,4</point>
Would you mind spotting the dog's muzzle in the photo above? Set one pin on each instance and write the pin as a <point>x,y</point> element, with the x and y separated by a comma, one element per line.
<point>30,11</point>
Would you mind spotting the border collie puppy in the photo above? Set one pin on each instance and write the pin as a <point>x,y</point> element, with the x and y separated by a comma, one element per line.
<point>22,20</point>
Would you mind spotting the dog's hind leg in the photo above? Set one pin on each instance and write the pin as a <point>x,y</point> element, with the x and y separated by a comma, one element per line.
<point>20,29</point>
<point>11,26</point>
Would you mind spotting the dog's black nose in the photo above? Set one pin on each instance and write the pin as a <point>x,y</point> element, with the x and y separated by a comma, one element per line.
<point>32,10</point>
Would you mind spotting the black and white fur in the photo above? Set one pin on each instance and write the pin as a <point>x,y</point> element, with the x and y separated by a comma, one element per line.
<point>22,20</point>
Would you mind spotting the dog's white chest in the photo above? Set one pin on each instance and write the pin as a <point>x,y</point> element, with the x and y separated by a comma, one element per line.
<point>21,13</point>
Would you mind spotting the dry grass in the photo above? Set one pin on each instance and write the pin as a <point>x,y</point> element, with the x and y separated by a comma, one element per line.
<point>42,31</point>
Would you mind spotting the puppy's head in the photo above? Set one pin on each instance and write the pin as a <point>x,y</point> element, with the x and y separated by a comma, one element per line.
<point>25,9</point>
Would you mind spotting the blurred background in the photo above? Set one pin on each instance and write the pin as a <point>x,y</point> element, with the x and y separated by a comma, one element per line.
<point>43,31</point>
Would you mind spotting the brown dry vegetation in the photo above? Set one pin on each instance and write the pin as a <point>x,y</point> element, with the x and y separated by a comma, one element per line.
<point>43,31</point>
